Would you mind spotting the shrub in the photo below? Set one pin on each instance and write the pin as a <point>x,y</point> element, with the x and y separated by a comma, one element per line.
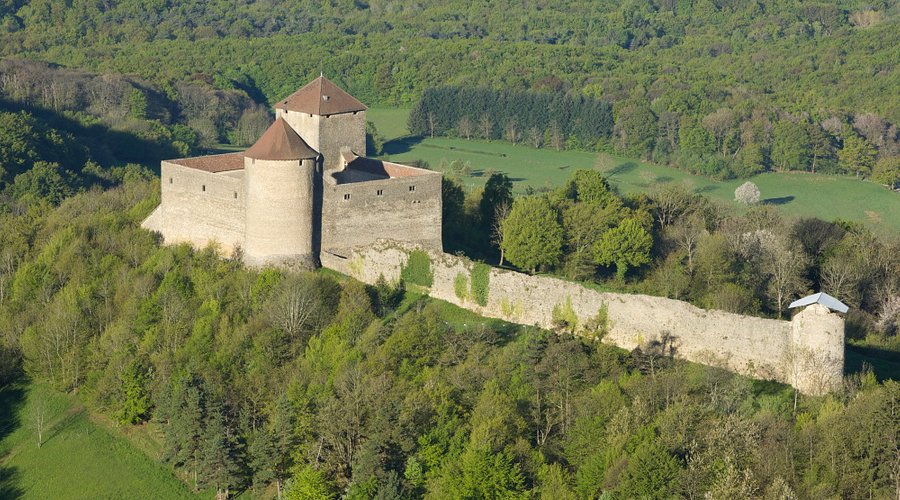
<point>747,193</point>
<point>481,276</point>
<point>461,286</point>
<point>418,269</point>
<point>564,317</point>
<point>597,326</point>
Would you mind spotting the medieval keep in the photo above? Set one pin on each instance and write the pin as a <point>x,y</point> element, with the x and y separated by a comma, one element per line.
<point>304,188</point>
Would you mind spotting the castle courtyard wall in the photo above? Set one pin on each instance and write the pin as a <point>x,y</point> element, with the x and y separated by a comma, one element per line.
<point>756,347</point>
<point>199,207</point>
<point>397,213</point>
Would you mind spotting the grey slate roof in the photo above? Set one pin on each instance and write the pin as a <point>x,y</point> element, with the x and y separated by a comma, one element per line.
<point>821,298</point>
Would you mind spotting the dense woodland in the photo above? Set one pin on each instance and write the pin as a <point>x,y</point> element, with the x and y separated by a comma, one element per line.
<point>723,144</point>
<point>316,386</point>
<point>324,387</point>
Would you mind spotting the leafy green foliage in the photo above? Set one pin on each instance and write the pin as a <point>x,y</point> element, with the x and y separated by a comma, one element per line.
<point>481,285</point>
<point>417,269</point>
<point>461,286</point>
<point>627,245</point>
<point>532,234</point>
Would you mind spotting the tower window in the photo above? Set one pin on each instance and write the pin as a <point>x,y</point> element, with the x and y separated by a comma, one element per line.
<point>235,195</point>
<point>170,180</point>
<point>204,187</point>
<point>412,188</point>
<point>347,196</point>
<point>380,192</point>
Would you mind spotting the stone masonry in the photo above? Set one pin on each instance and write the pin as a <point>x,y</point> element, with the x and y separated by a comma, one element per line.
<point>807,352</point>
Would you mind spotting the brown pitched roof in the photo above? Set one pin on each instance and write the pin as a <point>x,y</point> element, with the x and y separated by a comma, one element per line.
<point>321,97</point>
<point>280,142</point>
<point>213,163</point>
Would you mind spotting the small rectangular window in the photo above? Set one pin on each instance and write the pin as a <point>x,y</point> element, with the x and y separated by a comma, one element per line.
<point>412,188</point>
<point>204,187</point>
<point>170,180</point>
<point>380,192</point>
<point>235,195</point>
<point>347,196</point>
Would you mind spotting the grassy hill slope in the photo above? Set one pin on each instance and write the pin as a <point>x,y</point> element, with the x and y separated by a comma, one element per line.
<point>79,458</point>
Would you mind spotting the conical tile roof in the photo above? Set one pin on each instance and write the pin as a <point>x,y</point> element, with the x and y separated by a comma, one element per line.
<point>280,142</point>
<point>321,97</point>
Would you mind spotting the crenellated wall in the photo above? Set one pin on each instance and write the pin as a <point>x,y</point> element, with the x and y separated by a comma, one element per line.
<point>807,352</point>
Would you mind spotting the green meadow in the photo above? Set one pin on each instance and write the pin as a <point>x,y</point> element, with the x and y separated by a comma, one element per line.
<point>79,457</point>
<point>795,194</point>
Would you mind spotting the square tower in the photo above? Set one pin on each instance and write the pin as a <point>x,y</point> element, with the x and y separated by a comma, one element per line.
<point>327,118</point>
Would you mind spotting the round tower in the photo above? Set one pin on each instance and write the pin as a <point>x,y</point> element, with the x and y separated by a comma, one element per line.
<point>279,180</point>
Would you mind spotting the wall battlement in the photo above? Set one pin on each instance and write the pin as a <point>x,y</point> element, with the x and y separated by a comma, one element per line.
<point>807,352</point>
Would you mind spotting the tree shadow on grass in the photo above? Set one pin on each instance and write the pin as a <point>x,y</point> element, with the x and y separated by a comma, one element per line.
<point>401,145</point>
<point>57,428</point>
<point>622,169</point>
<point>885,364</point>
<point>12,397</point>
<point>784,200</point>
<point>706,189</point>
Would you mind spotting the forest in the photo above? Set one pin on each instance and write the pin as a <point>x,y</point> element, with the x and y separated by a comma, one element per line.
<point>313,385</point>
<point>316,386</point>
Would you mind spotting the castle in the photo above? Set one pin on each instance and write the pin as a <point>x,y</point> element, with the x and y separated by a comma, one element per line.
<point>303,189</point>
<point>302,196</point>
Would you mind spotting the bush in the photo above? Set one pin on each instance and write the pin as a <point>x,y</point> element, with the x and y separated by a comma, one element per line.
<point>418,269</point>
<point>564,317</point>
<point>481,276</point>
<point>461,286</point>
<point>747,193</point>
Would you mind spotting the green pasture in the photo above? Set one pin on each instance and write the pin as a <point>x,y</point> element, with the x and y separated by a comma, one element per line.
<point>79,458</point>
<point>795,194</point>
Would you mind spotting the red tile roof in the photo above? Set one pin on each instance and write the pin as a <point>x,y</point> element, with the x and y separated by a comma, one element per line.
<point>321,97</point>
<point>381,168</point>
<point>280,142</point>
<point>213,163</point>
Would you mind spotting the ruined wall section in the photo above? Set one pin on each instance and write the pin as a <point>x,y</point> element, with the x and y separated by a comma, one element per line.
<point>358,214</point>
<point>756,347</point>
<point>199,207</point>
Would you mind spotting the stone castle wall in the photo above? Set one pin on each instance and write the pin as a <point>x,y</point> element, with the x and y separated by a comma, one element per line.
<point>199,207</point>
<point>756,347</point>
<point>379,209</point>
<point>329,134</point>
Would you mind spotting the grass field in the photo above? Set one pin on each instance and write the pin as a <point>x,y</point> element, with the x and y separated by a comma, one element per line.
<point>795,194</point>
<point>79,458</point>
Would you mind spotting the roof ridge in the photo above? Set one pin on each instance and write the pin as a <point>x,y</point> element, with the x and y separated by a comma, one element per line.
<point>321,97</point>
<point>280,142</point>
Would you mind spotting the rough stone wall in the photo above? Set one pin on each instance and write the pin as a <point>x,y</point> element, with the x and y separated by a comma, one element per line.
<point>345,130</point>
<point>397,213</point>
<point>329,134</point>
<point>757,347</point>
<point>817,349</point>
<point>279,214</point>
<point>189,213</point>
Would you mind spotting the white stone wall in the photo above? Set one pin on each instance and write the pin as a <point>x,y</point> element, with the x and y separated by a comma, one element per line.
<point>757,347</point>
<point>199,208</point>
